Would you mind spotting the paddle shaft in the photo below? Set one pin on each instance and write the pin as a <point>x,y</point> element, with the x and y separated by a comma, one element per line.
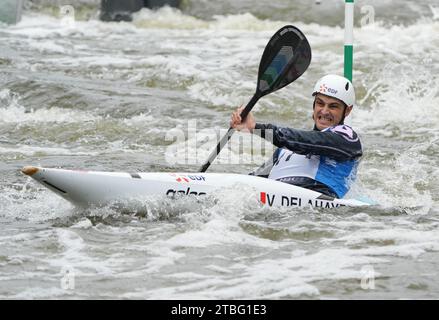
<point>229,133</point>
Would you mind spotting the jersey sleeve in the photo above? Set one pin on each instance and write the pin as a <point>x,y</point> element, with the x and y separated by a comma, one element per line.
<point>338,142</point>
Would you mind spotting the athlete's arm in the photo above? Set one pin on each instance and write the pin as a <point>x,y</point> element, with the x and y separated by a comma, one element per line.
<point>339,142</point>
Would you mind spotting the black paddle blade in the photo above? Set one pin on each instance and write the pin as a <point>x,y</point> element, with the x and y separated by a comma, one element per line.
<point>286,57</point>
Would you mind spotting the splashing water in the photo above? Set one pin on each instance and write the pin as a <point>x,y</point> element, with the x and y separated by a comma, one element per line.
<point>102,96</point>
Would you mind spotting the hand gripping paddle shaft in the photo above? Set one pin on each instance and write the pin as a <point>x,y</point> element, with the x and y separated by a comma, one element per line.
<point>286,57</point>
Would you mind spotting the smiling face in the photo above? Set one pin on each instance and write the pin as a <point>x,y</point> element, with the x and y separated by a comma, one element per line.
<point>328,111</point>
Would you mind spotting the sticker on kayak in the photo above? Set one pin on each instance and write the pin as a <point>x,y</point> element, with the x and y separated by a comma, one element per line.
<point>173,192</point>
<point>267,198</point>
<point>289,201</point>
<point>187,178</point>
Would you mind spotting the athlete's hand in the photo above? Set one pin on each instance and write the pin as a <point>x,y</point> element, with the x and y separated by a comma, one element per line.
<point>236,121</point>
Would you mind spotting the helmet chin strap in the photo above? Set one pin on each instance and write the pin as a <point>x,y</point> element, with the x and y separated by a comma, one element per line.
<point>313,107</point>
<point>344,115</point>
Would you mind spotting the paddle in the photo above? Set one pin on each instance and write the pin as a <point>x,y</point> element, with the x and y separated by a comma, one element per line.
<point>286,57</point>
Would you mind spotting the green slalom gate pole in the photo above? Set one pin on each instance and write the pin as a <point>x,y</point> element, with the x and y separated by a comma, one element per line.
<point>349,39</point>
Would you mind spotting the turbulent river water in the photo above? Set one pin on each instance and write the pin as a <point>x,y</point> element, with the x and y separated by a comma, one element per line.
<point>105,96</point>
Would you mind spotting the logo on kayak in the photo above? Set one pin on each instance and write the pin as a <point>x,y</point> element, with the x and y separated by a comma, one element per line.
<point>187,178</point>
<point>172,192</point>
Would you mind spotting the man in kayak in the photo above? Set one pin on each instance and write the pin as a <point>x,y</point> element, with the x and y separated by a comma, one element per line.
<point>324,159</point>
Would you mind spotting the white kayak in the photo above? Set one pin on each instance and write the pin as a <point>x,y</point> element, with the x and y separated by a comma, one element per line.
<point>94,188</point>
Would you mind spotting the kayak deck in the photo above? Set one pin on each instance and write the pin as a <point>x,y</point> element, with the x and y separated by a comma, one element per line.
<point>98,188</point>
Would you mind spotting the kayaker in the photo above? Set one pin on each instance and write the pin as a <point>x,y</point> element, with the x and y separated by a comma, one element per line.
<point>324,159</point>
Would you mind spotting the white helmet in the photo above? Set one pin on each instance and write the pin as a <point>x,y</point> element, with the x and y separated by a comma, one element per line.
<point>337,87</point>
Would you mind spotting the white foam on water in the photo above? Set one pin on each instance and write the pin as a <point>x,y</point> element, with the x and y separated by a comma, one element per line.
<point>47,46</point>
<point>172,18</point>
<point>391,237</point>
<point>93,61</point>
<point>83,224</point>
<point>152,123</point>
<point>267,279</point>
<point>358,242</point>
<point>40,26</point>
<point>30,204</point>
<point>405,182</point>
<point>11,111</point>
<point>213,227</point>
<point>18,114</point>
<point>31,151</point>
<point>160,256</point>
<point>79,258</point>
<point>167,18</point>
<point>219,232</point>
<point>403,87</point>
